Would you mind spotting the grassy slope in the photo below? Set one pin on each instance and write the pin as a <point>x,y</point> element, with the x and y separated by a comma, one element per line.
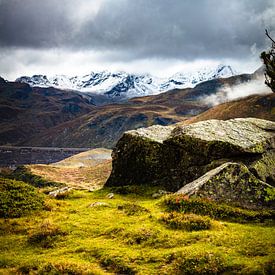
<point>26,111</point>
<point>103,240</point>
<point>259,106</point>
<point>87,170</point>
<point>87,158</point>
<point>88,177</point>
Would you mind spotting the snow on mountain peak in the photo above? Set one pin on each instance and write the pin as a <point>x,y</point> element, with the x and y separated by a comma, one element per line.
<point>122,84</point>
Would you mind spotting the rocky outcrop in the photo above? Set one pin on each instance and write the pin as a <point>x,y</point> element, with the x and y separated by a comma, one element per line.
<point>231,183</point>
<point>174,156</point>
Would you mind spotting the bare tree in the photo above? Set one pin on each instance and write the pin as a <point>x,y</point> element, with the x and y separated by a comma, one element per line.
<point>269,62</point>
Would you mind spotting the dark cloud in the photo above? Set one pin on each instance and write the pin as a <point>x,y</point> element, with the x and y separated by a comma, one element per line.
<point>140,28</point>
<point>32,23</point>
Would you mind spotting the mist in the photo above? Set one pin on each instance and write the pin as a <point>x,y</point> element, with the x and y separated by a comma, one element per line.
<point>229,93</point>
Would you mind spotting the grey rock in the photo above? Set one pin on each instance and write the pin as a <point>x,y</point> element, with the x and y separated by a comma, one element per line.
<point>174,156</point>
<point>230,183</point>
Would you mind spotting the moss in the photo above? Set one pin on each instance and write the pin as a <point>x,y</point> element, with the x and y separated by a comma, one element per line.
<point>203,263</point>
<point>46,235</point>
<point>188,222</point>
<point>215,210</point>
<point>59,268</point>
<point>132,209</point>
<point>270,194</point>
<point>106,240</point>
<point>18,198</point>
<point>263,168</point>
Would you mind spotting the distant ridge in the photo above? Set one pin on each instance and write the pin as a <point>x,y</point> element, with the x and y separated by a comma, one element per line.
<point>124,85</point>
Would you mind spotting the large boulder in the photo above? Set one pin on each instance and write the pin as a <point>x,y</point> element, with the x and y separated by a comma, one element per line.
<point>231,183</point>
<point>176,155</point>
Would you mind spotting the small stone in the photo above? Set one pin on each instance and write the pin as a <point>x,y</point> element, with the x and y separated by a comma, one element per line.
<point>99,203</point>
<point>156,195</point>
<point>60,191</point>
<point>110,196</point>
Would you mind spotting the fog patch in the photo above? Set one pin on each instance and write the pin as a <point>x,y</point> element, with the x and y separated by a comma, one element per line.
<point>229,93</point>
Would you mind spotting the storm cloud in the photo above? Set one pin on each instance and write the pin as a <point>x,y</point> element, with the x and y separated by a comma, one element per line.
<point>140,29</point>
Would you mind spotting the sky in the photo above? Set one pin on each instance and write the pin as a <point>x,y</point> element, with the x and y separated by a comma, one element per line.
<point>161,37</point>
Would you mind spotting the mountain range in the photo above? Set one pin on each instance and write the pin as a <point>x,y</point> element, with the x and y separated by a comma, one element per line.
<point>51,117</point>
<point>117,86</point>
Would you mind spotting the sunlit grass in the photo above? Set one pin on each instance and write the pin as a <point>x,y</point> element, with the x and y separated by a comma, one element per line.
<point>101,240</point>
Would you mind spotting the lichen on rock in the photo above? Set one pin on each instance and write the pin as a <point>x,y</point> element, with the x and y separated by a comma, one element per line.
<point>231,183</point>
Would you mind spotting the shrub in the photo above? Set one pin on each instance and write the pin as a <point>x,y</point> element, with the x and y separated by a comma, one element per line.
<point>127,189</point>
<point>46,235</point>
<point>18,198</point>
<point>132,209</point>
<point>62,268</point>
<point>215,210</point>
<point>116,264</point>
<point>188,222</point>
<point>139,190</point>
<point>58,268</point>
<point>203,263</point>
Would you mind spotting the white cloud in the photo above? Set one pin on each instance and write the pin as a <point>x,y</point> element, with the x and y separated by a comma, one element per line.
<point>15,62</point>
<point>228,93</point>
<point>18,62</point>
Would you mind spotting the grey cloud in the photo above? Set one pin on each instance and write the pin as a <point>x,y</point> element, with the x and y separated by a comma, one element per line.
<point>32,23</point>
<point>129,29</point>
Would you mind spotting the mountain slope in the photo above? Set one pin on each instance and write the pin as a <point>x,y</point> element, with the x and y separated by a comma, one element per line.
<point>34,116</point>
<point>259,106</point>
<point>26,111</point>
<point>103,126</point>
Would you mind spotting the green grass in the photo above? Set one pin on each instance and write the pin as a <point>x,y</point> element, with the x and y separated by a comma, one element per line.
<point>128,237</point>
<point>184,204</point>
<point>18,198</point>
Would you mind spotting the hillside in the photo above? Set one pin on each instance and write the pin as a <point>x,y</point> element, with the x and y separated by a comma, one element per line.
<point>56,118</point>
<point>86,170</point>
<point>142,228</point>
<point>104,126</point>
<point>27,111</point>
<point>260,106</point>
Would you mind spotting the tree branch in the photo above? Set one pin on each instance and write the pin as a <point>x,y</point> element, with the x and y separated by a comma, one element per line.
<point>267,34</point>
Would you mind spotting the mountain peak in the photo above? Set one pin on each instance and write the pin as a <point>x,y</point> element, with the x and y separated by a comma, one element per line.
<point>127,85</point>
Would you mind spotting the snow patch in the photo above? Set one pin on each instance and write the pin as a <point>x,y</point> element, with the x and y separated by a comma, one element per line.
<point>122,84</point>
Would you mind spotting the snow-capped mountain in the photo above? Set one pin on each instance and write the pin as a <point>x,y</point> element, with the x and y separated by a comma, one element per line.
<point>124,85</point>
